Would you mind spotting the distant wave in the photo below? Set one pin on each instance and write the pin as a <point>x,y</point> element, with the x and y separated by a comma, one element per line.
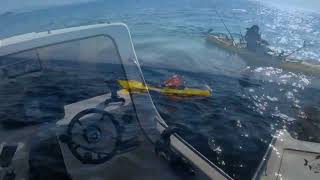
<point>7,13</point>
<point>240,10</point>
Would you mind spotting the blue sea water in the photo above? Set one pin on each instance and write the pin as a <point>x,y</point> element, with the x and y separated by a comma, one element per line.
<point>249,103</point>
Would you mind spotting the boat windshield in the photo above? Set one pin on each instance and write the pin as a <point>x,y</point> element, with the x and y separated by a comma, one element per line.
<point>70,90</point>
<point>63,73</point>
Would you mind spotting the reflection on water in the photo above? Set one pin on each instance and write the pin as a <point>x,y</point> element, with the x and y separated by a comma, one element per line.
<point>234,126</point>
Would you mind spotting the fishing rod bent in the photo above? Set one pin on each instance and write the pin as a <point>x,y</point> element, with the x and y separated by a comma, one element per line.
<point>215,10</point>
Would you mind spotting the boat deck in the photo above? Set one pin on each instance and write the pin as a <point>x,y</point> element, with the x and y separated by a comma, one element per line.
<point>139,164</point>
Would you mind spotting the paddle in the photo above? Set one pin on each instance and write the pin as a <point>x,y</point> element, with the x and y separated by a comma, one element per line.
<point>297,50</point>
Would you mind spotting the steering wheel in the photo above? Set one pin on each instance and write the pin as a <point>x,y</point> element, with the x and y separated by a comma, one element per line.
<point>93,136</point>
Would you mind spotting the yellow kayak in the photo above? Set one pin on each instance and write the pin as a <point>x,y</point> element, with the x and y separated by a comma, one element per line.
<point>139,87</point>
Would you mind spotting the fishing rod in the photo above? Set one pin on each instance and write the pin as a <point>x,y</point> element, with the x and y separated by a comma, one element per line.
<point>215,10</point>
<point>296,50</point>
<point>242,37</point>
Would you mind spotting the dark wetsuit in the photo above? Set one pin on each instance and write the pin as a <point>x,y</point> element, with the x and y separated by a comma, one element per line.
<point>253,38</point>
<point>254,41</point>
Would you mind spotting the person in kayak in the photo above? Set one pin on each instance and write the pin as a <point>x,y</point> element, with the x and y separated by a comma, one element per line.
<point>254,41</point>
<point>174,82</point>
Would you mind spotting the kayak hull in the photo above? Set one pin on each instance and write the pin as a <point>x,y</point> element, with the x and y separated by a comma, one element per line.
<point>290,64</point>
<point>247,55</point>
<point>139,87</point>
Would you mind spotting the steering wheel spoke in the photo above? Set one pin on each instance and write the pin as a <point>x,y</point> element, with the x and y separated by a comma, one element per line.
<point>93,139</point>
<point>79,122</point>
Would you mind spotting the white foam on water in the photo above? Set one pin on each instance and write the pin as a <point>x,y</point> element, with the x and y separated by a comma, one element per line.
<point>283,40</point>
<point>289,95</point>
<point>273,99</point>
<point>283,116</point>
<point>240,10</point>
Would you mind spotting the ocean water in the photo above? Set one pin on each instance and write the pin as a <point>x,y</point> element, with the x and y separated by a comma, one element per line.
<point>233,127</point>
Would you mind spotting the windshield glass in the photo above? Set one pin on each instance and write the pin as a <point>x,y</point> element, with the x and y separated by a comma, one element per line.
<point>231,74</point>
<point>42,91</point>
<point>73,75</point>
